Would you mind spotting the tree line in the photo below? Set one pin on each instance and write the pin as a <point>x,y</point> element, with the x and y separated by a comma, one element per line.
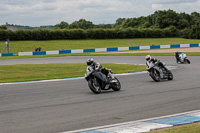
<point>60,34</point>
<point>166,23</point>
<point>18,27</point>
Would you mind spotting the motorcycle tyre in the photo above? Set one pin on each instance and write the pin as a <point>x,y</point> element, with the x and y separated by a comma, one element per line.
<point>92,88</point>
<point>117,88</point>
<point>188,61</point>
<point>170,75</point>
<point>154,77</point>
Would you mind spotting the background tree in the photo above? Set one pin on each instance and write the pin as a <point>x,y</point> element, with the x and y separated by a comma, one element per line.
<point>195,32</point>
<point>184,21</point>
<point>62,25</point>
<point>82,24</point>
<point>163,19</point>
<point>3,27</point>
<point>119,22</point>
<point>166,23</point>
<point>103,26</point>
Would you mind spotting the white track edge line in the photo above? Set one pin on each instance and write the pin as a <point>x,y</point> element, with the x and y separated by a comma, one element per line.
<point>124,123</point>
<point>75,78</point>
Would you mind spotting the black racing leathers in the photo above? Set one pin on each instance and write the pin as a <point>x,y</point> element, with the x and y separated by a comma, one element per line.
<point>177,56</point>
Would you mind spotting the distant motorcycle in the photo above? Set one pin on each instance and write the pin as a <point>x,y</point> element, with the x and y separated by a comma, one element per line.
<point>157,73</point>
<point>98,80</point>
<point>183,58</point>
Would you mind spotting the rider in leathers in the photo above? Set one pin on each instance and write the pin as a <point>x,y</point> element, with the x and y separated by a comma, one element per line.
<point>177,56</point>
<point>97,66</point>
<point>154,60</point>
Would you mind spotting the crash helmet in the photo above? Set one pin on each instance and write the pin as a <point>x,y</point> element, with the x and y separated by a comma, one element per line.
<point>90,61</point>
<point>176,52</point>
<point>148,58</point>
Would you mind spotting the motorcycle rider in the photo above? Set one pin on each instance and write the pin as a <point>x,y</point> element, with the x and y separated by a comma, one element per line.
<point>177,56</point>
<point>154,60</point>
<point>97,66</point>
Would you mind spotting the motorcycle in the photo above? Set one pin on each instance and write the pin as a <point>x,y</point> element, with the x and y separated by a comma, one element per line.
<point>157,73</point>
<point>183,58</point>
<point>98,80</point>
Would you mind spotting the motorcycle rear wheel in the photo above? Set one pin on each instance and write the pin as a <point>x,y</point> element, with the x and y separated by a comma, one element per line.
<point>117,85</point>
<point>95,88</point>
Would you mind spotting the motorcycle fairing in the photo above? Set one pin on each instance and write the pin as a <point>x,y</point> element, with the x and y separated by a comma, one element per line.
<point>101,77</point>
<point>155,67</point>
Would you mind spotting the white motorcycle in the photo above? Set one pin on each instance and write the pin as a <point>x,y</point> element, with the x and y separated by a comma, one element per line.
<point>183,58</point>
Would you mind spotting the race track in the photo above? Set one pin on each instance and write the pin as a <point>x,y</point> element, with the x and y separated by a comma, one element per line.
<point>58,106</point>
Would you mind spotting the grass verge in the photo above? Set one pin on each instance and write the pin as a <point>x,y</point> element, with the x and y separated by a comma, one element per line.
<point>33,72</point>
<point>189,128</point>
<point>17,46</point>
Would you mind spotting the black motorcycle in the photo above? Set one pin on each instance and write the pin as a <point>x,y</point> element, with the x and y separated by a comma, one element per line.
<point>157,73</point>
<point>99,80</point>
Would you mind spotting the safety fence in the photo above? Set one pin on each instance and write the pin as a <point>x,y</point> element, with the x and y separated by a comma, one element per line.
<point>103,49</point>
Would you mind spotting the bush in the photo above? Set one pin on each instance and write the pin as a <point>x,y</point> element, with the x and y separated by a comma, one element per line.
<point>4,35</point>
<point>172,31</point>
<point>62,34</point>
<point>186,33</point>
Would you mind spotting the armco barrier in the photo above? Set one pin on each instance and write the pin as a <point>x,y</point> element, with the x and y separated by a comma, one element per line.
<point>103,49</point>
<point>109,49</point>
<point>6,54</point>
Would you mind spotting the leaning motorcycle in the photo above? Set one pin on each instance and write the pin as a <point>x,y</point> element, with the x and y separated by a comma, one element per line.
<point>157,73</point>
<point>183,58</point>
<point>98,80</point>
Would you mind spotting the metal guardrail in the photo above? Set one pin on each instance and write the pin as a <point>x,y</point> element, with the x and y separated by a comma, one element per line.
<point>103,49</point>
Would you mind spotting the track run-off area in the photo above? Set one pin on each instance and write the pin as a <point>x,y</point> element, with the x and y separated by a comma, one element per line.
<point>60,106</point>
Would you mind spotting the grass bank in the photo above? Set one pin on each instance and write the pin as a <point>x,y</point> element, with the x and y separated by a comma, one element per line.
<point>17,46</point>
<point>33,72</point>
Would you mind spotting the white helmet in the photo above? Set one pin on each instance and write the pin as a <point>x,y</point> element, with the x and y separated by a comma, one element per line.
<point>90,61</point>
<point>148,57</point>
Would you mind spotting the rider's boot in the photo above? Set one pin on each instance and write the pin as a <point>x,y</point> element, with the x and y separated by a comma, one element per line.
<point>112,78</point>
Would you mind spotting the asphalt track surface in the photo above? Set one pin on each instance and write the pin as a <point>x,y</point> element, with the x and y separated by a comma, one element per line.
<point>59,106</point>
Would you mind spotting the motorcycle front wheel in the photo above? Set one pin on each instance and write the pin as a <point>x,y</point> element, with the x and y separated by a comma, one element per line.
<point>155,75</point>
<point>188,61</point>
<point>94,87</point>
<point>170,75</point>
<point>116,86</point>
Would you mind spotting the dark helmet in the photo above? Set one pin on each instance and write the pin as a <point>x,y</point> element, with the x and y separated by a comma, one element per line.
<point>90,61</point>
<point>148,57</point>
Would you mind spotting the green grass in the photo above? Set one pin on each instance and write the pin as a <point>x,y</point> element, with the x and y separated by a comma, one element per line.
<point>189,128</point>
<point>33,72</point>
<point>17,46</point>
